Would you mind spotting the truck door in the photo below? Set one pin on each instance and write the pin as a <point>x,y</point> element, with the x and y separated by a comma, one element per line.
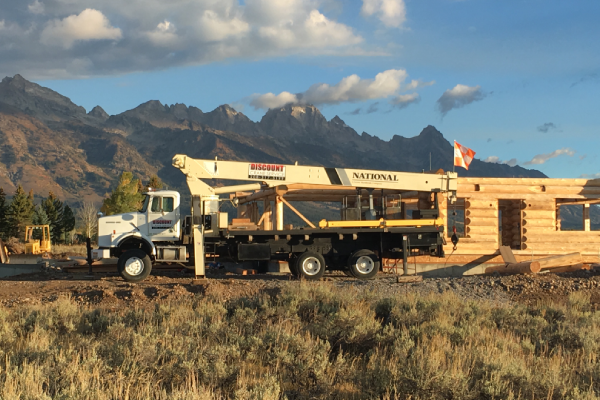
<point>162,221</point>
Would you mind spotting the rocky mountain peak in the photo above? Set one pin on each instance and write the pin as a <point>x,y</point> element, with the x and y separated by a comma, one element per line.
<point>38,101</point>
<point>99,113</point>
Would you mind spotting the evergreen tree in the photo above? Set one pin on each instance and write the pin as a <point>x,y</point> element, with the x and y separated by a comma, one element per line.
<point>39,218</point>
<point>21,211</point>
<point>154,183</point>
<point>4,214</point>
<point>125,198</point>
<point>54,209</point>
<point>68,220</point>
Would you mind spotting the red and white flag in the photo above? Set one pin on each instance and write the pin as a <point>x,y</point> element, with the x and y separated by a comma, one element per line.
<point>462,155</point>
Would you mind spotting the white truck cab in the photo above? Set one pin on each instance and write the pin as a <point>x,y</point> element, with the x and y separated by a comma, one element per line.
<point>138,238</point>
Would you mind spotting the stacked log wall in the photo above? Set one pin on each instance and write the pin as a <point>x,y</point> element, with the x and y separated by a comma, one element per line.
<point>533,206</point>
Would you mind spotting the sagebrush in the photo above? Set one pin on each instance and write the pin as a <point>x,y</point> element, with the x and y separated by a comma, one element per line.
<point>310,341</point>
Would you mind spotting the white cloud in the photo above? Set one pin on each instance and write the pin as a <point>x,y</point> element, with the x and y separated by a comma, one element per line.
<point>391,12</point>
<point>164,34</point>
<point>496,160</point>
<point>270,100</point>
<point>350,89</point>
<point>90,24</point>
<point>316,31</point>
<point>542,158</point>
<point>590,176</point>
<point>36,7</point>
<point>157,34</point>
<point>459,96</point>
<point>404,100</point>
<point>214,27</point>
<point>492,159</point>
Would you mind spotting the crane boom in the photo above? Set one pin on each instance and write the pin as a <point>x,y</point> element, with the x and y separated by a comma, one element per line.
<point>280,174</point>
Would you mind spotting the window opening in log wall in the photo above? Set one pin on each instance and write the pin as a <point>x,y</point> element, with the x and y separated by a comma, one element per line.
<point>577,217</point>
<point>456,217</point>
<point>510,223</point>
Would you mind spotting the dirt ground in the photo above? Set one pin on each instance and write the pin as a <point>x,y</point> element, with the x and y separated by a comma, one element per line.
<point>107,289</point>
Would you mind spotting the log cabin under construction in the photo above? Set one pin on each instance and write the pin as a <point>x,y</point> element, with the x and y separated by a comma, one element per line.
<point>522,213</point>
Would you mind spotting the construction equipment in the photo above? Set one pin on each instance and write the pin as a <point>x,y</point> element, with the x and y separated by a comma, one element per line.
<point>3,253</point>
<point>37,246</point>
<point>366,232</point>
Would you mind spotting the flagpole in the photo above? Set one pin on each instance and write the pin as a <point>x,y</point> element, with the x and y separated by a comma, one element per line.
<point>453,150</point>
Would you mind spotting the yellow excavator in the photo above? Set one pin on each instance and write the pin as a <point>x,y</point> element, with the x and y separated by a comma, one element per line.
<point>37,246</point>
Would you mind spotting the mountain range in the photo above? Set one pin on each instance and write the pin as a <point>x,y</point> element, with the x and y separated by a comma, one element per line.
<point>48,143</point>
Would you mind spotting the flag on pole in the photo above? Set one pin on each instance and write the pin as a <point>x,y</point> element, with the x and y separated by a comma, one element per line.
<point>462,155</point>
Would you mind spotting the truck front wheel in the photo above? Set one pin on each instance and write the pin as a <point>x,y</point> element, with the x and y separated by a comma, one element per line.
<point>134,265</point>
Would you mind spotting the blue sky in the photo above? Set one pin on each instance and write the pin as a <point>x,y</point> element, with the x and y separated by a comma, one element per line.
<point>517,81</point>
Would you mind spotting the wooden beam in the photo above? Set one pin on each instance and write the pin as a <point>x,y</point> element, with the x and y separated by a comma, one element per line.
<point>485,204</point>
<point>527,267</point>
<point>570,268</point>
<point>523,196</point>
<point>562,237</point>
<point>478,213</point>
<point>554,248</point>
<point>560,261</point>
<point>279,213</point>
<point>586,218</point>
<point>257,195</point>
<point>298,213</point>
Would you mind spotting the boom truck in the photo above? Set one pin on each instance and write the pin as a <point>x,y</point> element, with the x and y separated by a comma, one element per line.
<point>372,225</point>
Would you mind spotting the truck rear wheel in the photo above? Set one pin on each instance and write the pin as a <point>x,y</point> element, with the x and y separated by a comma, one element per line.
<point>310,266</point>
<point>134,265</point>
<point>364,264</point>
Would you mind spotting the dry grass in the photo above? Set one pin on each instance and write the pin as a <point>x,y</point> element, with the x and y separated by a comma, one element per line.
<point>308,342</point>
<point>69,249</point>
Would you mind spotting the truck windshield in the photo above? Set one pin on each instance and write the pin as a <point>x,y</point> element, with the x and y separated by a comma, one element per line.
<point>145,203</point>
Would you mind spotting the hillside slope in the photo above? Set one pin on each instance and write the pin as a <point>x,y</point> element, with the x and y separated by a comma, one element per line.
<point>48,143</point>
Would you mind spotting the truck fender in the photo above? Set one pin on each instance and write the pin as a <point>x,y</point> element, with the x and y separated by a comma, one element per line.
<point>139,237</point>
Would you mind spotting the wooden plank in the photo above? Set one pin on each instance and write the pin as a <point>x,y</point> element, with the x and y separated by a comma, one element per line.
<point>507,255</point>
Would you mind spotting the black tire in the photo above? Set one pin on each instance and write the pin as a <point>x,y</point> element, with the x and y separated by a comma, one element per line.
<point>364,264</point>
<point>310,266</point>
<point>292,266</point>
<point>134,265</point>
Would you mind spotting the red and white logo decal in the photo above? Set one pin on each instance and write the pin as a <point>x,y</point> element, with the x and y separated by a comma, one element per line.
<point>274,172</point>
<point>161,223</point>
